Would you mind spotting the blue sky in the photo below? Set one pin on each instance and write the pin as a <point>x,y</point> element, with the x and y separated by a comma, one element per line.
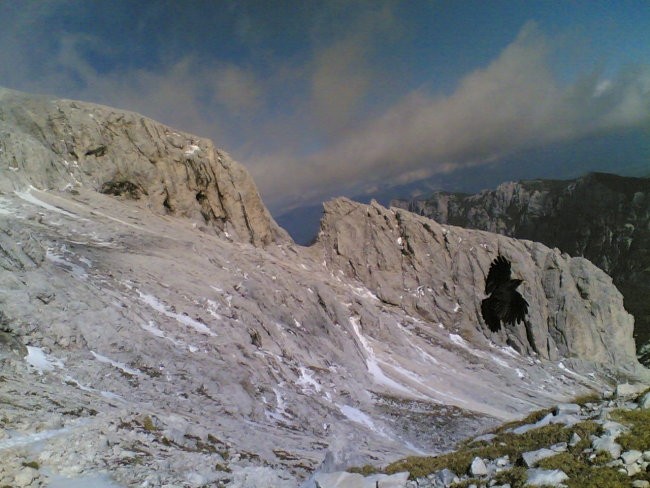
<point>321,98</point>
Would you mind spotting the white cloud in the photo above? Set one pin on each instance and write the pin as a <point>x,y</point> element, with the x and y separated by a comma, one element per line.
<point>297,123</point>
<point>515,102</point>
<point>237,89</point>
<point>341,74</point>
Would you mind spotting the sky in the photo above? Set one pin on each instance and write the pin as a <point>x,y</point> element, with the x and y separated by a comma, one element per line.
<point>325,98</point>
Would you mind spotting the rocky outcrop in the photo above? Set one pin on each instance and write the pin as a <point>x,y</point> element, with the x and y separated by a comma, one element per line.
<point>602,217</point>
<point>19,250</point>
<point>64,144</point>
<point>438,272</point>
<point>170,356</point>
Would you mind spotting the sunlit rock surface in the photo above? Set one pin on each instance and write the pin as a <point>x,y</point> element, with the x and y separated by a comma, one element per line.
<point>602,217</point>
<point>164,344</point>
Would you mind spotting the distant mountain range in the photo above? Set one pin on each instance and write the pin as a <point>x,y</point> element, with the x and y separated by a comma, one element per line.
<point>602,217</point>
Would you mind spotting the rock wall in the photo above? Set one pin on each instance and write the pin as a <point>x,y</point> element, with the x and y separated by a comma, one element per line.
<point>64,144</point>
<point>438,272</point>
<point>602,217</point>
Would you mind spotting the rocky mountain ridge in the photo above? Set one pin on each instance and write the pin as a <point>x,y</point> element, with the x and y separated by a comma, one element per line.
<point>602,217</point>
<point>168,348</point>
<point>63,144</point>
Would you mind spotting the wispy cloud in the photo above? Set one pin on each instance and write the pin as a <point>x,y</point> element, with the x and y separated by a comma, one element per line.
<point>515,102</point>
<point>300,122</point>
<point>341,74</point>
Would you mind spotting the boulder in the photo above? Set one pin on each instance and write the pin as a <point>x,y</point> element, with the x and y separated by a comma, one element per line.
<point>546,477</point>
<point>25,477</point>
<point>531,458</point>
<point>567,409</point>
<point>478,467</point>
<point>575,439</point>
<point>607,444</point>
<point>627,390</point>
<point>630,457</point>
<point>446,477</point>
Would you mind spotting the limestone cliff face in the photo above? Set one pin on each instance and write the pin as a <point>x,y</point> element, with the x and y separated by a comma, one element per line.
<point>602,217</point>
<point>131,326</point>
<point>64,144</point>
<point>438,272</point>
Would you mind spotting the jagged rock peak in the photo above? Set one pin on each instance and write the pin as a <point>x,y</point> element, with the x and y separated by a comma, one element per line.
<point>60,144</point>
<point>602,217</point>
<point>438,272</point>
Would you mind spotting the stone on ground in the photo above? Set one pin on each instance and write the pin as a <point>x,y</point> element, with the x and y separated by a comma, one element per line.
<point>546,477</point>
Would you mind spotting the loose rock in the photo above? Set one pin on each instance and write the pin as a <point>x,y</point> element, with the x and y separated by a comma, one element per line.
<point>630,457</point>
<point>546,477</point>
<point>478,467</point>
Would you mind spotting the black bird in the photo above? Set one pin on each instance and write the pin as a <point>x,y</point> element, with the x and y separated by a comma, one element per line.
<point>504,304</point>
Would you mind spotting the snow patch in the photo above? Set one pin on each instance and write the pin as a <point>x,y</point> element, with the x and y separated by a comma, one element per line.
<point>372,362</point>
<point>192,149</point>
<point>59,259</point>
<point>362,292</point>
<point>500,361</point>
<point>27,439</point>
<point>509,351</point>
<point>158,306</point>
<point>456,339</point>
<point>307,382</point>
<point>116,364</point>
<point>111,396</point>
<point>70,380</point>
<point>28,197</point>
<point>280,413</point>
<point>357,416</point>
<point>155,331</point>
<point>212,308</point>
<point>41,361</point>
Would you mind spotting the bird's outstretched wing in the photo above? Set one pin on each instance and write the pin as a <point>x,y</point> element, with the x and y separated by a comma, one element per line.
<point>490,315</point>
<point>504,304</point>
<point>517,309</point>
<point>498,275</point>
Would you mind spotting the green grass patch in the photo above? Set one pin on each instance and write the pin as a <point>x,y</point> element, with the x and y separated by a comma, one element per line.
<point>505,443</point>
<point>638,437</point>
<point>582,400</point>
<point>583,474</point>
<point>532,418</point>
<point>148,425</point>
<point>516,476</point>
<point>582,471</point>
<point>365,470</point>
